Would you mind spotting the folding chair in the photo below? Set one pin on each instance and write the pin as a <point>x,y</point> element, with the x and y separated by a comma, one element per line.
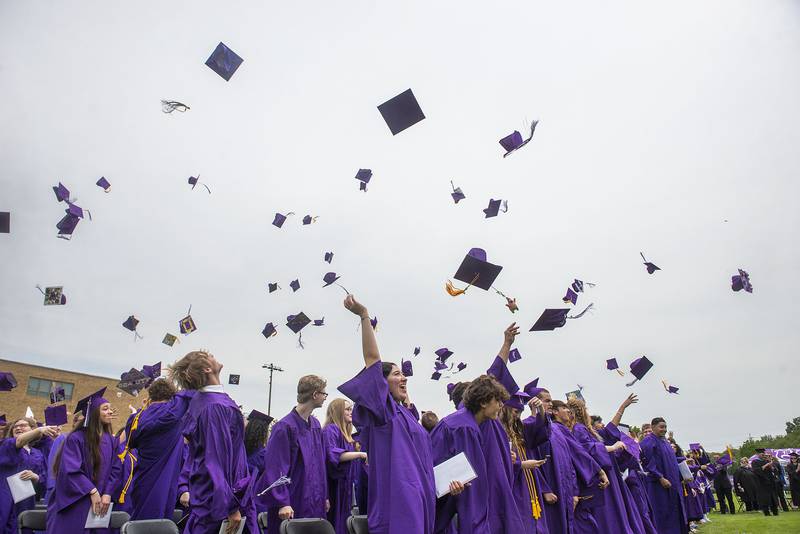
<point>262,521</point>
<point>118,519</point>
<point>150,526</point>
<point>357,524</point>
<point>32,519</point>
<point>306,526</point>
<point>739,508</point>
<point>177,515</point>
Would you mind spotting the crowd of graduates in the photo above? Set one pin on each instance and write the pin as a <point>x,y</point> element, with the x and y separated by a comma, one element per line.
<point>541,465</point>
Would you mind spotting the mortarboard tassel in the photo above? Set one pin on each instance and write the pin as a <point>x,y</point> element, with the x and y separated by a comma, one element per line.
<point>300,341</point>
<point>629,384</point>
<point>282,481</point>
<point>168,106</point>
<point>587,308</point>
<point>454,291</point>
<point>620,372</point>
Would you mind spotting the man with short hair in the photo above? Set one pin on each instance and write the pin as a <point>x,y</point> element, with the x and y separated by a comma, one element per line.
<point>664,481</point>
<point>723,487</point>
<point>767,481</point>
<point>296,449</point>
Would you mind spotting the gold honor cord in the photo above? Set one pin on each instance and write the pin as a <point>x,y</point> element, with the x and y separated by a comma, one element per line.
<point>130,478</point>
<point>536,507</point>
<point>126,452</point>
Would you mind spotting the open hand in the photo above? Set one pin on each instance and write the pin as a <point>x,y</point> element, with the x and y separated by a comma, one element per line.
<point>632,399</point>
<point>510,333</point>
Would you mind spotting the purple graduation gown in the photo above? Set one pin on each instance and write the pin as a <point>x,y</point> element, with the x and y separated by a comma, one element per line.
<point>457,433</point>
<point>341,477</point>
<point>12,461</point>
<point>669,513</point>
<point>257,461</point>
<point>295,449</point>
<point>402,493</point>
<point>528,483</point>
<point>51,479</point>
<point>32,460</point>
<point>158,442</point>
<point>70,502</point>
<point>218,480</point>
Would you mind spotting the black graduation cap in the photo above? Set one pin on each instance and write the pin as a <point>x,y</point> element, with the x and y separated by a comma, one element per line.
<point>476,271</point>
<point>401,112</point>
<point>224,61</point>
<point>7,381</point>
<point>133,382</point>
<point>295,285</point>
<point>651,267</point>
<point>233,379</point>
<point>269,330</point>
<point>131,323</point>
<point>255,414</point>
<point>297,322</point>
<point>550,320</point>
<point>273,286</point>
<point>639,368</point>
<point>5,222</point>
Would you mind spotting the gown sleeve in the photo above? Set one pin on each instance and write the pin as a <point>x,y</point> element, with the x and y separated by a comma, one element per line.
<point>535,430</point>
<point>443,447</point>
<point>170,414</point>
<point>281,453</point>
<point>650,462</point>
<point>596,448</point>
<point>8,453</point>
<point>499,370</point>
<point>113,483</point>
<point>369,390</point>
<point>333,439</point>
<point>218,448</point>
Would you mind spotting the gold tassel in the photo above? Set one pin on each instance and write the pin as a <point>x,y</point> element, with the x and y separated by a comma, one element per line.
<point>621,372</point>
<point>536,507</point>
<point>454,291</point>
<point>130,479</point>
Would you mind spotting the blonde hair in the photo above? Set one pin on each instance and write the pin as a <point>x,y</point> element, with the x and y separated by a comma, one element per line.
<point>190,371</point>
<point>578,408</point>
<point>307,386</point>
<point>335,416</point>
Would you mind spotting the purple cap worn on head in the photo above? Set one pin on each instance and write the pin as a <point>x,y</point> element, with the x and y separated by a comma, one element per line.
<point>62,193</point>
<point>55,415</point>
<point>90,402</point>
<point>571,296</point>
<point>187,325</point>
<point>514,355</point>
<point>295,285</point>
<point>7,381</point>
<point>450,388</point>
<point>518,400</point>
<point>611,364</point>
<point>330,278</point>
<point>224,61</point>
<point>694,446</point>
<point>272,286</point>
<point>102,182</point>
<point>475,270</point>
<point>297,322</point>
<point>130,323</point>
<point>640,366</point>
<point>407,368</point>
<point>269,330</point>
<point>532,388</point>
<point>550,320</point>
<point>5,222</point>
<point>401,112</point>
<point>255,414</point>
<point>329,257</point>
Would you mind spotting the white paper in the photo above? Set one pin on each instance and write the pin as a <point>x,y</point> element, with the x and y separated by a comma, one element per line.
<point>223,529</point>
<point>686,473</point>
<point>97,521</point>
<point>456,468</point>
<point>20,489</point>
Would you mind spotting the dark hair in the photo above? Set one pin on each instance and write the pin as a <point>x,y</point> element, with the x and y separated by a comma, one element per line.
<point>513,425</point>
<point>559,404</point>
<point>483,390</point>
<point>457,395</point>
<point>255,434</point>
<point>657,420</point>
<point>386,368</point>
<point>161,390</point>
<point>539,395</point>
<point>596,419</point>
<point>429,420</point>
<point>93,431</point>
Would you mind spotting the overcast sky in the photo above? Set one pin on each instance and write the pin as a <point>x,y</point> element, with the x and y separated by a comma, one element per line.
<point>658,125</point>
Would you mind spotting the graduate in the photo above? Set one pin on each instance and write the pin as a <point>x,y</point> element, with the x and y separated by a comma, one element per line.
<point>460,432</point>
<point>296,450</point>
<point>664,481</point>
<point>218,482</point>
<point>256,433</point>
<point>402,492</point>
<point>17,455</point>
<point>342,459</point>
<point>87,470</point>
<point>154,433</point>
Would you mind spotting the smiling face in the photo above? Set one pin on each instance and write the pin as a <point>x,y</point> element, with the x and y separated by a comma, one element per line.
<point>660,429</point>
<point>20,427</point>
<point>348,412</point>
<point>397,384</point>
<point>547,401</point>
<point>106,413</point>
<point>214,367</point>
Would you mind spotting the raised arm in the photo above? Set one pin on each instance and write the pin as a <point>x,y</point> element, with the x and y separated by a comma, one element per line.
<point>632,399</point>
<point>369,345</point>
<point>36,433</point>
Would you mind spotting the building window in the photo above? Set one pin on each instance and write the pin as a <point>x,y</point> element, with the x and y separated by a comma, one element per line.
<point>40,387</point>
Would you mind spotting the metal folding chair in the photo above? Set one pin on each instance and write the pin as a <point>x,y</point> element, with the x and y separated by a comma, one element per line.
<point>357,524</point>
<point>150,526</point>
<point>306,526</point>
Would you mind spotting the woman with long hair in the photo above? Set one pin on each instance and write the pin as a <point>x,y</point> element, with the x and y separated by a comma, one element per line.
<point>619,513</point>
<point>341,453</point>
<point>402,492</point>
<point>87,470</point>
<point>256,433</point>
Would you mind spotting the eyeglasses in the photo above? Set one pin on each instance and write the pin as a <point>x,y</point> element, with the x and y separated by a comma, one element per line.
<point>323,393</point>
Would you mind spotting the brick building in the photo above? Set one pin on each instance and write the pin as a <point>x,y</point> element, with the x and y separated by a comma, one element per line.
<point>34,383</point>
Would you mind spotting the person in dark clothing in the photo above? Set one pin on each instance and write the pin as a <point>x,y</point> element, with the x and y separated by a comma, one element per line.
<point>793,470</point>
<point>764,470</point>
<point>723,487</point>
<point>780,485</point>
<point>744,482</point>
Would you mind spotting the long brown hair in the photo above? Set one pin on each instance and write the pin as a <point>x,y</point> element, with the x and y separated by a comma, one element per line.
<point>511,421</point>
<point>578,408</point>
<point>93,431</point>
<point>335,416</point>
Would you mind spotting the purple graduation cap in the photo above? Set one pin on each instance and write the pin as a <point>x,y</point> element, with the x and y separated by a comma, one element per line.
<point>461,366</point>
<point>457,193</point>
<point>55,415</point>
<point>439,365</point>
<point>53,296</point>
<point>255,414</point>
<point>330,278</point>
<point>401,112</point>
<point>514,356</point>
<point>133,381</point>
<point>514,140</point>
<point>517,400</point>
<point>194,180</point>
<point>234,379</point>
<point>7,381</point>
<point>532,388</point>
<point>450,388</point>
<point>152,372</point>
<point>363,176</point>
<point>269,330</point>
<point>308,219</point>
<point>328,257</point>
<point>3,420</point>
<point>611,364</point>
<point>577,286</point>
<point>571,296</point>
<point>296,323</point>
<point>443,353</point>
<point>187,324</point>
<point>280,219</point>
<point>87,404</point>
<point>273,286</point>
<point>416,351</point>
<point>57,394</point>
<point>374,322</point>
<point>295,285</point>
<point>104,184</point>
<point>130,323</point>
<point>66,226</point>
<point>436,375</point>
<point>550,320</point>
<point>474,271</point>
<point>639,368</point>
<point>319,322</point>
<point>5,222</point>
<point>62,193</point>
<point>651,267</point>
<point>694,446</point>
<point>494,207</point>
<point>407,368</point>
<point>224,61</point>
<point>668,388</point>
<point>741,281</point>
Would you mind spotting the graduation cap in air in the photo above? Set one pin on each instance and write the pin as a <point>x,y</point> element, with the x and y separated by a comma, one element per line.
<point>461,366</point>
<point>416,351</point>
<point>62,193</point>
<point>104,184</point>
<point>269,330</point>
<point>668,388</point>
<point>5,222</point>
<point>131,323</point>
<point>224,61</point>
<point>319,322</point>
<point>233,379</point>
<point>133,381</point>
<point>3,420</point>
<point>363,176</point>
<point>443,354</point>
<point>261,416</point>
<point>186,324</point>
<point>514,140</point>
<point>612,365</point>
<point>553,318</point>
<point>532,388</point>
<point>439,365</point>
<point>296,323</point>
<point>168,106</point>
<point>273,286</point>
<point>436,375</point>
<point>457,193</point>
<point>374,322</point>
<point>170,339</point>
<point>55,415</point>
<point>651,267</point>
<point>53,296</point>
<point>474,271</point>
<point>295,285</point>
<point>7,381</point>
<point>571,296</point>
<point>152,372</point>
<point>639,368</point>
<point>576,394</point>
<point>57,394</point>
<point>280,219</point>
<point>495,206</point>
<point>514,356</point>
<point>401,112</point>
<point>308,219</point>
<point>330,278</point>
<point>194,180</point>
<point>407,368</point>
<point>66,226</point>
<point>328,257</point>
<point>88,403</point>
<point>518,400</point>
<point>741,281</point>
<point>694,446</point>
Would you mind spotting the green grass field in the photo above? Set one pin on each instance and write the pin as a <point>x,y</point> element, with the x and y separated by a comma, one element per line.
<point>752,523</point>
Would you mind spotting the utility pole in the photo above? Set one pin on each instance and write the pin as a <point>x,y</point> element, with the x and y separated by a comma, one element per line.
<point>272,368</point>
